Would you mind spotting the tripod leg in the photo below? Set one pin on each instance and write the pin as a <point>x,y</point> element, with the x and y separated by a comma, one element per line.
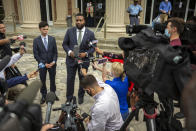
<point>150,115</point>
<point>127,121</point>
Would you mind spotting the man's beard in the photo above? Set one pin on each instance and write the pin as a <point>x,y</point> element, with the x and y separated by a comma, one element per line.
<point>2,35</point>
<point>80,27</point>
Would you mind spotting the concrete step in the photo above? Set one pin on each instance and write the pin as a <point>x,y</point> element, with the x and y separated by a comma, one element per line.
<point>101,45</point>
<point>59,39</point>
<point>109,45</point>
<point>100,41</point>
<point>30,51</point>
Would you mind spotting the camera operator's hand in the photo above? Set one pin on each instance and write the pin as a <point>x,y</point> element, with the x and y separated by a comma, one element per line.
<point>95,65</point>
<point>14,37</point>
<point>78,116</point>
<point>84,72</point>
<point>22,50</point>
<point>98,51</point>
<point>87,120</point>
<point>47,127</point>
<point>32,74</point>
<point>82,55</point>
<point>72,54</point>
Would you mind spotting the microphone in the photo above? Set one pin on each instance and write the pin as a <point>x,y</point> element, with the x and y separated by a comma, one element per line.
<point>4,62</point>
<point>21,37</point>
<point>30,93</point>
<point>93,43</point>
<point>40,66</point>
<point>50,98</point>
<point>76,51</point>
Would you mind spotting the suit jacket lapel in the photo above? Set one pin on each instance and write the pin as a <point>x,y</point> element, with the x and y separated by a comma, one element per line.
<point>84,37</point>
<point>75,35</point>
<point>49,42</point>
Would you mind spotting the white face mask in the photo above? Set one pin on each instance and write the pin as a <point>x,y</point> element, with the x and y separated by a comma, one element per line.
<point>166,0</point>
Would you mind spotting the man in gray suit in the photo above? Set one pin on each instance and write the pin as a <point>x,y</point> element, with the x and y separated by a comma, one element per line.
<point>77,36</point>
<point>45,53</point>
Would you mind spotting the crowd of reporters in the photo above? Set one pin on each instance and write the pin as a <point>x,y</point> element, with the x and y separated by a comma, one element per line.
<point>111,105</point>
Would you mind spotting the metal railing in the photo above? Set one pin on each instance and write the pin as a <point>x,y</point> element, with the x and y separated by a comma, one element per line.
<point>104,25</point>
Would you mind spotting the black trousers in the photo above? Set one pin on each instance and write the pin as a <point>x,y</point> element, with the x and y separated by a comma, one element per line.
<point>71,74</point>
<point>52,74</point>
<point>90,21</point>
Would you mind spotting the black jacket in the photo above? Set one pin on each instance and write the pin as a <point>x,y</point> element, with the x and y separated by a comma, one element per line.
<point>41,54</point>
<point>71,39</point>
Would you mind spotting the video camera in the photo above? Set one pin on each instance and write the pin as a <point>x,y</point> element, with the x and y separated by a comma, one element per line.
<point>187,37</point>
<point>154,66</point>
<point>68,120</point>
<point>22,115</point>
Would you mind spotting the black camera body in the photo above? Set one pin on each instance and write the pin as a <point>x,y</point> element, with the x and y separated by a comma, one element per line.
<point>70,122</point>
<point>187,37</point>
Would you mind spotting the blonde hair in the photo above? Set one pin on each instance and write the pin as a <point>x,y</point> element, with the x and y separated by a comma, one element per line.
<point>117,69</point>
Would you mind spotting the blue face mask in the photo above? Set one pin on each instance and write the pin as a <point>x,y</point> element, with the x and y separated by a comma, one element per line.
<point>167,33</point>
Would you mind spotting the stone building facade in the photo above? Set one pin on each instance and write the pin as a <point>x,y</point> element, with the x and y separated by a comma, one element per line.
<point>29,13</point>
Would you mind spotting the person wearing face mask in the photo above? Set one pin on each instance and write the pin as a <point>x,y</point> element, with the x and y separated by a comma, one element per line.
<point>77,36</point>
<point>105,113</point>
<point>165,9</point>
<point>175,28</point>
<point>134,11</point>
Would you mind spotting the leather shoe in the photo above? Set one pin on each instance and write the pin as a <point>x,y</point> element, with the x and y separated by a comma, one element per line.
<point>80,100</point>
<point>43,100</point>
<point>179,115</point>
<point>68,102</point>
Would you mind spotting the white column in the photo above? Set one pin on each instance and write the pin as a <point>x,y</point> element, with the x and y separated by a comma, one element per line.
<point>31,13</point>
<point>8,6</point>
<point>115,11</point>
<point>61,10</point>
<point>20,12</point>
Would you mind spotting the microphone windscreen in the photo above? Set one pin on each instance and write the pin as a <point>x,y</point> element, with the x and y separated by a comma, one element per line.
<point>30,92</point>
<point>50,97</point>
<point>24,36</point>
<point>4,62</point>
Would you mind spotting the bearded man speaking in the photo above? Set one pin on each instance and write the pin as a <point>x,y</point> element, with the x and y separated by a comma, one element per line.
<point>77,36</point>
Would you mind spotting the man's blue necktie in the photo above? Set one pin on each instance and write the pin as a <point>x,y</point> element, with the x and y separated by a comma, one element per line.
<point>45,43</point>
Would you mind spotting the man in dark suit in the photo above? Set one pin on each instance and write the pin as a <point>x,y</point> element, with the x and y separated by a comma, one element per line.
<point>80,36</point>
<point>45,53</point>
